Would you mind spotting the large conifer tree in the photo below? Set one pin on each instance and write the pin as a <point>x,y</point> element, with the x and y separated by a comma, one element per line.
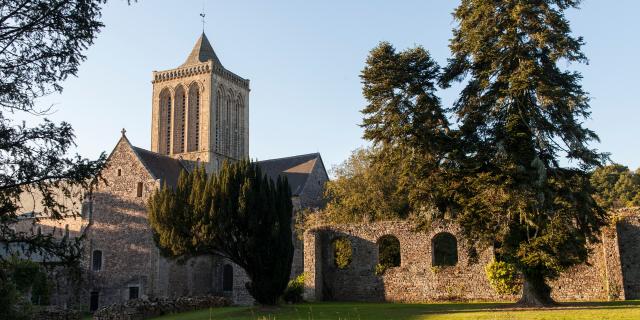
<point>406,122</point>
<point>239,214</point>
<point>520,115</point>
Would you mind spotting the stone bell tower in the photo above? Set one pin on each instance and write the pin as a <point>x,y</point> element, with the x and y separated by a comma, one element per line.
<point>200,110</point>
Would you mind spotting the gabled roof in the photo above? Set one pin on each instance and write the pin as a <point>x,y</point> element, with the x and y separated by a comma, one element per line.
<point>161,167</point>
<point>202,52</point>
<point>297,169</point>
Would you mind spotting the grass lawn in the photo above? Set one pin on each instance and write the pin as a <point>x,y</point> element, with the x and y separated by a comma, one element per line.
<point>437,311</point>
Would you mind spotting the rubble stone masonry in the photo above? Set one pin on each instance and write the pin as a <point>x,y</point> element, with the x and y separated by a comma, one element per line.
<point>612,271</point>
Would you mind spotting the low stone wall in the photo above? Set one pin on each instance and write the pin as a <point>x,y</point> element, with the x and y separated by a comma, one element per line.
<point>55,313</point>
<point>143,309</point>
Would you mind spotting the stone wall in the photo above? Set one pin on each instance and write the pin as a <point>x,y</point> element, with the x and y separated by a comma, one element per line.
<point>417,280</point>
<point>118,226</point>
<point>628,236</point>
<point>139,309</point>
<point>311,197</point>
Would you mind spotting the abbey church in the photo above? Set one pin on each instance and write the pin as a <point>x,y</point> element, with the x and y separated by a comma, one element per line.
<point>200,116</point>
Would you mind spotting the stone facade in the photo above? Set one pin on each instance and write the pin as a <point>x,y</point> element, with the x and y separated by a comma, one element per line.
<point>610,273</point>
<point>130,262</point>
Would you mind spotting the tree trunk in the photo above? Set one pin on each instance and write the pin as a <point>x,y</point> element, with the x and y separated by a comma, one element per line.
<point>536,292</point>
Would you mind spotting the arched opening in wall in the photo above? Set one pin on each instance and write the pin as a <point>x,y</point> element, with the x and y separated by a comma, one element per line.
<point>96,260</point>
<point>139,189</point>
<point>444,250</point>
<point>342,252</point>
<point>194,118</point>
<point>179,121</point>
<point>227,278</point>
<point>388,253</point>
<point>165,123</point>
<point>119,172</point>
<point>94,300</point>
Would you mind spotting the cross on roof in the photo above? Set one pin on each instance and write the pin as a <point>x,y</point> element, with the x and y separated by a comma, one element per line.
<point>123,131</point>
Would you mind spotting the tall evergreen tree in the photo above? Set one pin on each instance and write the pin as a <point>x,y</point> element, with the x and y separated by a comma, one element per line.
<point>239,214</point>
<point>520,114</point>
<point>405,120</point>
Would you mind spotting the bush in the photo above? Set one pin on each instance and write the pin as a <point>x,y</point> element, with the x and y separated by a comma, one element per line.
<point>504,277</point>
<point>294,291</point>
<point>28,277</point>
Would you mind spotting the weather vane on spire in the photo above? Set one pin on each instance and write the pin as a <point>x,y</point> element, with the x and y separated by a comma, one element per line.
<point>202,14</point>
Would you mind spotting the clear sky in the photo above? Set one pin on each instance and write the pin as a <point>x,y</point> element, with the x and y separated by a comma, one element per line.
<point>303,59</point>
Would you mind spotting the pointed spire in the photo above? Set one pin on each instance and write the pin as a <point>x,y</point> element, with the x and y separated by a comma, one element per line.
<point>202,52</point>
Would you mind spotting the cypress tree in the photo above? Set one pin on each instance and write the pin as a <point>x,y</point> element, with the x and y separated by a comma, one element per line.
<point>239,214</point>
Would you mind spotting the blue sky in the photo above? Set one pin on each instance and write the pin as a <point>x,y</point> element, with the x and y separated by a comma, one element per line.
<point>303,59</point>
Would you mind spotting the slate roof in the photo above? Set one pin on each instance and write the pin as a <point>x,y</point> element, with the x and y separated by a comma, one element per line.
<point>297,169</point>
<point>201,52</point>
<point>160,166</point>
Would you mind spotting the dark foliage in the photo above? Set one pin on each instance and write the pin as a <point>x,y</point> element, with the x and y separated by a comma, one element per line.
<point>238,213</point>
<point>41,44</point>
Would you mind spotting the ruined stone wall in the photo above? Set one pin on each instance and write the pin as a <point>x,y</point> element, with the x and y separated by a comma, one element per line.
<point>417,280</point>
<point>311,197</point>
<point>628,236</point>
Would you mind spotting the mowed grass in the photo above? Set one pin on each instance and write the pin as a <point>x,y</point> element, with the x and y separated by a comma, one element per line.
<point>436,311</point>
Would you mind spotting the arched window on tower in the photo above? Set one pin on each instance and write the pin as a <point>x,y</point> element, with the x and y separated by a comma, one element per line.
<point>234,131</point>
<point>165,122</point>
<point>227,128</point>
<point>194,118</point>
<point>241,126</point>
<point>179,115</point>
<point>218,120</point>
